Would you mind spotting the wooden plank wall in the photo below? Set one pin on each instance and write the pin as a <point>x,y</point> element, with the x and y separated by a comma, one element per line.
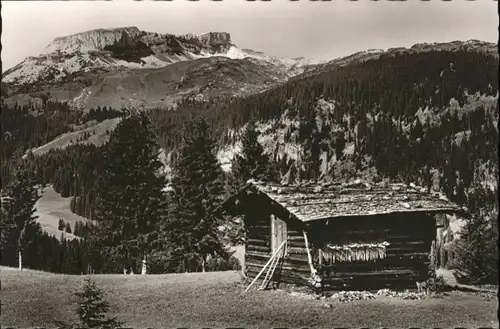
<point>407,257</point>
<point>294,268</point>
<point>258,247</point>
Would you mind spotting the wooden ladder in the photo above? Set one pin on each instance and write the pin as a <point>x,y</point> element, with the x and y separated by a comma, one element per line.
<point>273,261</point>
<point>270,272</point>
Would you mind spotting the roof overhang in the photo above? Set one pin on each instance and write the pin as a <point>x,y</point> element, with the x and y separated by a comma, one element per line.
<point>316,203</point>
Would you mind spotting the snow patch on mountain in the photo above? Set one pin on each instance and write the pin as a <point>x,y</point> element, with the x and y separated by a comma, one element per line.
<point>293,66</point>
<point>80,100</point>
<point>28,71</point>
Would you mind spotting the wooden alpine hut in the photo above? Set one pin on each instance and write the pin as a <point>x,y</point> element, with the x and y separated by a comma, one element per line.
<point>338,236</point>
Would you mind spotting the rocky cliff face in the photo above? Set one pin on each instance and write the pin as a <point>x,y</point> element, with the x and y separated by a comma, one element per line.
<point>95,40</point>
<point>215,38</point>
<point>100,39</point>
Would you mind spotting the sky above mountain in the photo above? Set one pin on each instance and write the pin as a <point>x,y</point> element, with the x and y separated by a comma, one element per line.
<point>314,29</point>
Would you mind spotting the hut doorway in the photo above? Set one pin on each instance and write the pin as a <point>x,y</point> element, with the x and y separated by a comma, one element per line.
<point>279,234</point>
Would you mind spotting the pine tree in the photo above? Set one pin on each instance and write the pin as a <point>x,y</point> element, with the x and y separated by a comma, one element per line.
<point>476,252</point>
<point>72,205</point>
<point>252,163</point>
<point>91,310</point>
<point>198,189</point>
<point>131,198</point>
<point>311,156</point>
<point>61,225</point>
<point>78,230</point>
<point>18,222</point>
<point>68,228</point>
<point>72,258</point>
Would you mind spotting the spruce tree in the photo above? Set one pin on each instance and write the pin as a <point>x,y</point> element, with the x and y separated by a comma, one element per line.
<point>91,310</point>
<point>131,199</point>
<point>72,258</point>
<point>18,222</point>
<point>198,190</point>
<point>252,163</point>
<point>476,252</point>
<point>68,228</point>
<point>77,230</point>
<point>61,225</point>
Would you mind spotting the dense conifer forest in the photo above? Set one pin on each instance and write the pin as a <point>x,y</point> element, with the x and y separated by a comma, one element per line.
<point>407,115</point>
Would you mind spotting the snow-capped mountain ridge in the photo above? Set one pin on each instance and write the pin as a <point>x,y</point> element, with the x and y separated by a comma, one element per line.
<point>129,47</point>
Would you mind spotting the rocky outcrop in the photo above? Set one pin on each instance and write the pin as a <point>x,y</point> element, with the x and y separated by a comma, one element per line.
<point>92,40</point>
<point>215,39</point>
<point>100,39</point>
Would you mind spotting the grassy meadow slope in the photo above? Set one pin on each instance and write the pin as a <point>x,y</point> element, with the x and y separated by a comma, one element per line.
<point>156,87</point>
<point>96,134</point>
<point>215,299</point>
<point>51,207</point>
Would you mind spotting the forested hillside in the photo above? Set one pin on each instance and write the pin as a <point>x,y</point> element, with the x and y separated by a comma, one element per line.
<point>428,118</point>
<point>30,126</point>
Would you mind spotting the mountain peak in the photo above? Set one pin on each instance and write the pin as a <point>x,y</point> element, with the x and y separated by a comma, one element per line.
<point>91,40</point>
<point>129,47</point>
<point>215,38</point>
<point>211,39</point>
<point>101,30</point>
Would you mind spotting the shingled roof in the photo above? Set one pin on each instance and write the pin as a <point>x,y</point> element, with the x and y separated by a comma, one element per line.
<point>310,202</point>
